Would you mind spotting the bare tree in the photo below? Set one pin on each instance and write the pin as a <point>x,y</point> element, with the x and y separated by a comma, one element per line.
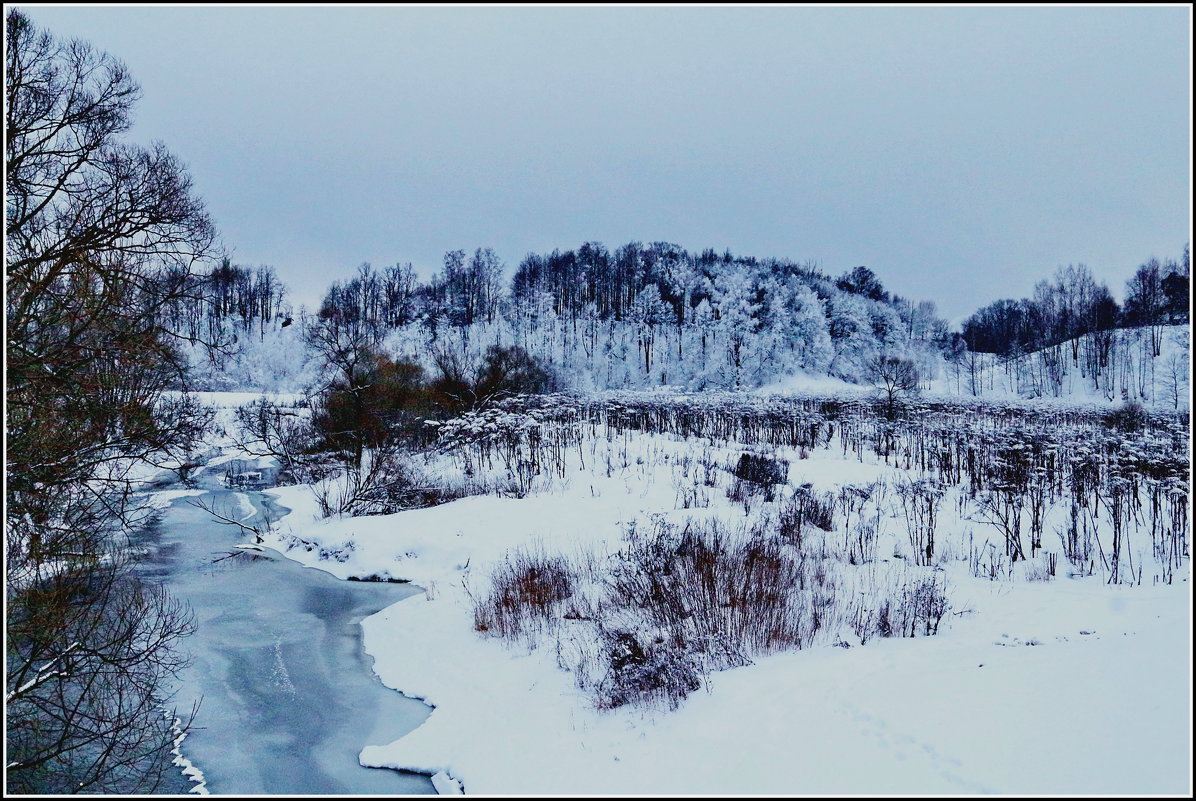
<point>896,377</point>
<point>1177,369</point>
<point>265,428</point>
<point>1145,301</point>
<point>85,700</point>
<point>101,239</point>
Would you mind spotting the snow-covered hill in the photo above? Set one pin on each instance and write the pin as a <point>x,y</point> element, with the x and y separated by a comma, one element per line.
<point>1150,365</point>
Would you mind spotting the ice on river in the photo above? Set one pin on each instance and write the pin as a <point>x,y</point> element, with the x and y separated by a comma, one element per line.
<point>288,696</point>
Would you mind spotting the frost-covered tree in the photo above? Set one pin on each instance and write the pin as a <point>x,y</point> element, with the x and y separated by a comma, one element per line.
<point>862,281</point>
<point>809,331</point>
<point>735,302</point>
<point>704,322</point>
<point>648,314</point>
<point>887,327</point>
<point>851,334</point>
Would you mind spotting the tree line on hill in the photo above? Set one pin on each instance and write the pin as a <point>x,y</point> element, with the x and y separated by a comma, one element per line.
<point>1073,304</point>
<point>640,316</point>
<point>645,315</point>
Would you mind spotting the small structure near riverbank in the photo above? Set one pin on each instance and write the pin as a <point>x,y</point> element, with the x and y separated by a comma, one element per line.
<point>249,479</point>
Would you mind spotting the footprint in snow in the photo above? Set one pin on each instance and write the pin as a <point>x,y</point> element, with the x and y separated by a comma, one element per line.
<point>904,746</point>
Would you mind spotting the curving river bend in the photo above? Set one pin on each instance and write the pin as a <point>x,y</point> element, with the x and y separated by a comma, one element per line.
<point>289,698</point>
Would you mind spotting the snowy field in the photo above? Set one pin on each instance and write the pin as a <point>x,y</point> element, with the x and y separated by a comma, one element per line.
<point>1061,673</point>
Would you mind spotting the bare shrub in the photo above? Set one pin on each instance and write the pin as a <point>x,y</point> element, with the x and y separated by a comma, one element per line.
<point>680,602</point>
<point>761,469</point>
<point>689,496</point>
<point>987,562</point>
<point>920,501</point>
<point>1130,416</point>
<point>525,593</point>
<point>922,606</point>
<point>861,542</point>
<point>899,605</point>
<point>1002,508</point>
<point>806,508</point>
<point>712,598</point>
<point>501,372</point>
<point>869,620</point>
<point>1041,568</point>
<point>861,527</point>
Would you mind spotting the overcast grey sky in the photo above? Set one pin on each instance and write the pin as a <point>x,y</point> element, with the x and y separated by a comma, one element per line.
<point>961,153</point>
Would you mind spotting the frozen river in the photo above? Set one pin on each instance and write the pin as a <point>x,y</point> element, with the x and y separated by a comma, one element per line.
<point>288,695</point>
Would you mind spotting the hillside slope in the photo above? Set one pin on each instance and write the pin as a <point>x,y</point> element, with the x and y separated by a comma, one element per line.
<point>1150,365</point>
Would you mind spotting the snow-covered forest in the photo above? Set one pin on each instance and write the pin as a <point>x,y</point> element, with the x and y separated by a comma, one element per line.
<point>658,316</point>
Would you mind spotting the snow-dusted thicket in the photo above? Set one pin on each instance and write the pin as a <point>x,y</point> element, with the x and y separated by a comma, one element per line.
<point>1097,492</point>
<point>1112,475</point>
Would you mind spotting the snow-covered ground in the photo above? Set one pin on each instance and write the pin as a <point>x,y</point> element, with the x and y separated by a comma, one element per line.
<point>1060,686</point>
<point>801,381</point>
<point>234,400</point>
<point>1015,699</point>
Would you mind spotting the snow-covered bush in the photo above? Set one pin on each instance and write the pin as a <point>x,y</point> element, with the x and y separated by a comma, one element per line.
<point>1130,416</point>
<point>806,508</point>
<point>524,595</point>
<point>678,602</point>
<point>650,669</point>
